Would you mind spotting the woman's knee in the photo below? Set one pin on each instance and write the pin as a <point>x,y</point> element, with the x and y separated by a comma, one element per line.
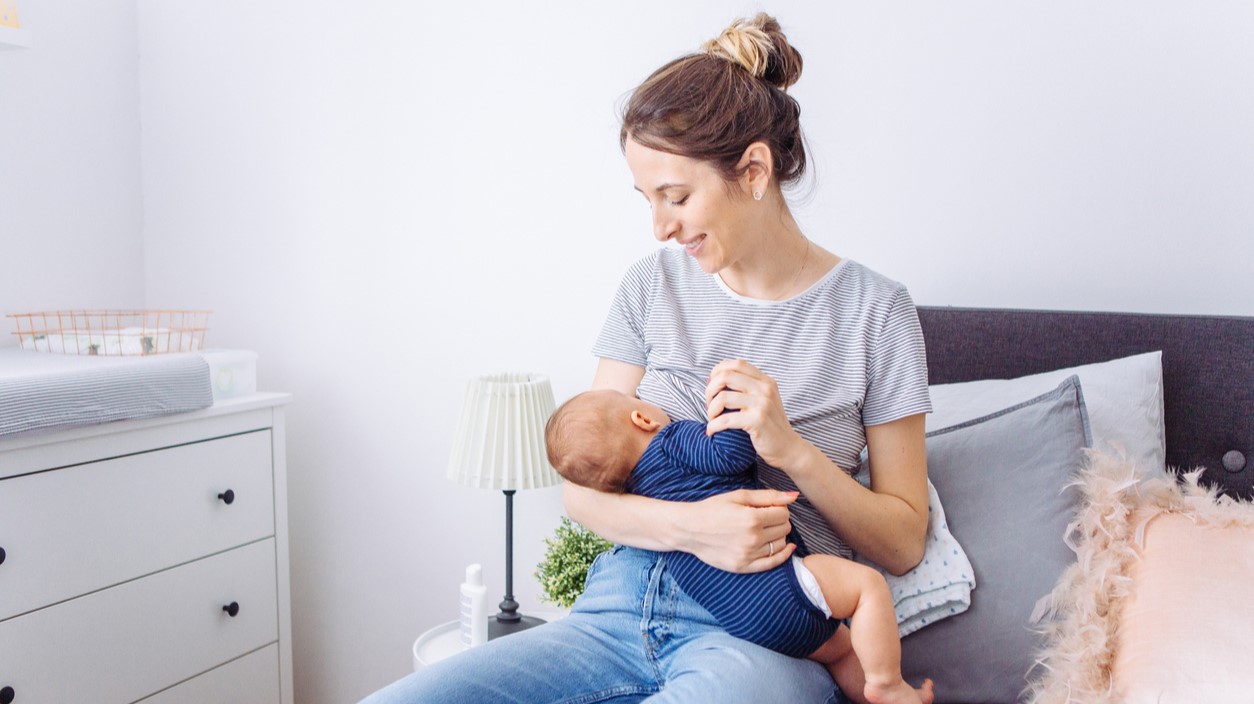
<point>554,662</point>
<point>723,668</point>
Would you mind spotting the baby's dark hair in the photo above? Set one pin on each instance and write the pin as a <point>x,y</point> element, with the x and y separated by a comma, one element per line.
<point>579,439</point>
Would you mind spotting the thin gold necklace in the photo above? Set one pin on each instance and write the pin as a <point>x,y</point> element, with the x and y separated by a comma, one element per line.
<point>804,261</point>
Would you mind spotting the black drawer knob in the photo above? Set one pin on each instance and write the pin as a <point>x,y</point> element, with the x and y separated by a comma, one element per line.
<point>7,695</point>
<point>231,609</point>
<point>2,556</point>
<point>228,497</point>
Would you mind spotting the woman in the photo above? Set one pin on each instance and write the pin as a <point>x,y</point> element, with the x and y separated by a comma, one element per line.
<point>818,356</point>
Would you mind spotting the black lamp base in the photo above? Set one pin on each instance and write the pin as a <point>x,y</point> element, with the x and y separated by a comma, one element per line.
<point>509,620</point>
<point>498,628</point>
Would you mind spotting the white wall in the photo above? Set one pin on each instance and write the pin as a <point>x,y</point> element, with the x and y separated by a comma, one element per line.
<point>70,228</point>
<point>1067,154</point>
<point>384,199</point>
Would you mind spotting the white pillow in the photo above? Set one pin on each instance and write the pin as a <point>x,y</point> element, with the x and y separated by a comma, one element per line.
<point>1124,398</point>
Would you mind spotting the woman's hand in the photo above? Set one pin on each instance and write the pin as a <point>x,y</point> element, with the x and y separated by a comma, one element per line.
<point>740,531</point>
<point>736,385</point>
<point>886,523</point>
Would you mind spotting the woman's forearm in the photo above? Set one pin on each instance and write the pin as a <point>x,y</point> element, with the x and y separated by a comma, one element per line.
<point>887,524</point>
<point>623,519</point>
<point>739,531</point>
<point>881,527</point>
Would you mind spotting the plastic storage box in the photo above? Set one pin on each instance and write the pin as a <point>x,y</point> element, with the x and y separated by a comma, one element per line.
<point>232,373</point>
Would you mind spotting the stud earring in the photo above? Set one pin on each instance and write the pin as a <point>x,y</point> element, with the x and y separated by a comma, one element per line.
<point>757,195</point>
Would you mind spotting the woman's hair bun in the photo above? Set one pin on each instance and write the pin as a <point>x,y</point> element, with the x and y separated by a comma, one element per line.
<point>759,46</point>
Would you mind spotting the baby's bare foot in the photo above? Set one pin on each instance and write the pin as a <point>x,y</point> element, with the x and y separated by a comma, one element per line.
<point>926,695</point>
<point>898,693</point>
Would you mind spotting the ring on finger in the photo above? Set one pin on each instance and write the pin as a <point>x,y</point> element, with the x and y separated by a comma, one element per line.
<point>771,545</point>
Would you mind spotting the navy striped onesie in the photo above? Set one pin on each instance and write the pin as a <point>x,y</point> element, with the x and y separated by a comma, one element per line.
<point>768,608</point>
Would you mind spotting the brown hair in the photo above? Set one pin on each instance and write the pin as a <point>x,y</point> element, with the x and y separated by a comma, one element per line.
<point>711,106</point>
<point>579,440</point>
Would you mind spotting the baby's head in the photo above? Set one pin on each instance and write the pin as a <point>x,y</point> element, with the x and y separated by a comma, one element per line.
<point>596,438</point>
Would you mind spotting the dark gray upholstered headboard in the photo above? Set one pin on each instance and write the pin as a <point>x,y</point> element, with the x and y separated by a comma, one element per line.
<point>1208,370</point>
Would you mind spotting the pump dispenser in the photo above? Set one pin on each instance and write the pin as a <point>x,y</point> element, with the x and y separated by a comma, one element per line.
<point>474,608</point>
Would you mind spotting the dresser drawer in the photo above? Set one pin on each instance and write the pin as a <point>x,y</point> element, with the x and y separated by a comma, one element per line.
<point>70,531</point>
<point>252,679</point>
<point>129,641</point>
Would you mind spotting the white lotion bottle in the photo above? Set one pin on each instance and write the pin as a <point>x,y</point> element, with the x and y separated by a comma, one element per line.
<point>474,608</point>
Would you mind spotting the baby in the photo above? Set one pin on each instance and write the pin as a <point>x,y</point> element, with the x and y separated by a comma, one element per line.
<point>612,442</point>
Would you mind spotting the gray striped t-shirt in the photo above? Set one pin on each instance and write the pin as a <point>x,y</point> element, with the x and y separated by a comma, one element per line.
<point>846,353</point>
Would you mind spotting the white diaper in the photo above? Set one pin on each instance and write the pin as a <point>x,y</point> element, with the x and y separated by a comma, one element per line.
<point>810,585</point>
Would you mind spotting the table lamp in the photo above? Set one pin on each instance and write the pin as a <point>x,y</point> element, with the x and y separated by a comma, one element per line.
<point>500,445</point>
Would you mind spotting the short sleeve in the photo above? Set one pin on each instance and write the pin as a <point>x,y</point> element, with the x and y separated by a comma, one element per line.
<point>897,367</point>
<point>622,335</point>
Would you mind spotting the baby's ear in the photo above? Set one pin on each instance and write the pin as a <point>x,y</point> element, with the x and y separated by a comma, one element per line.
<point>644,422</point>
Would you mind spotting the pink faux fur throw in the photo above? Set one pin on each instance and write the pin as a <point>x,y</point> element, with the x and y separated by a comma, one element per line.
<point>1108,534</point>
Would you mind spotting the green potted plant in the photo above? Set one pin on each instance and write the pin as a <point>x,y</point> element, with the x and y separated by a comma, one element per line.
<point>567,557</point>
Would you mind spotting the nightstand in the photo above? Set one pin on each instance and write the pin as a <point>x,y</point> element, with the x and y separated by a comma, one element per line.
<point>445,639</point>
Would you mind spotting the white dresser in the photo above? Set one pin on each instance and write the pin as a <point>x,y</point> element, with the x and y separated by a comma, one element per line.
<point>146,560</point>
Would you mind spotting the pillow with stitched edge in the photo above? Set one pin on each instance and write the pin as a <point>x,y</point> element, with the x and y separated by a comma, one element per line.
<point>1003,480</point>
<point>1124,398</point>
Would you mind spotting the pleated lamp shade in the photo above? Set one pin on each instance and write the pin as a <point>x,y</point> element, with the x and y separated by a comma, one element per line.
<point>500,436</point>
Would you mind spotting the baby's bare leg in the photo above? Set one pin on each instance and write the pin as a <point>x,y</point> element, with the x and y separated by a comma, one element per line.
<point>865,659</point>
<point>838,657</point>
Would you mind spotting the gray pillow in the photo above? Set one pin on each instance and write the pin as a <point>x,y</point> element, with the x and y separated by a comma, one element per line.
<point>1001,480</point>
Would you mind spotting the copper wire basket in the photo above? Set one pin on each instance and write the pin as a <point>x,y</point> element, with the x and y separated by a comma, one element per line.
<point>112,332</point>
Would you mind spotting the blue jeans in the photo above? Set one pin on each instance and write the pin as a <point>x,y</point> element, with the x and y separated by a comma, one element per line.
<point>632,637</point>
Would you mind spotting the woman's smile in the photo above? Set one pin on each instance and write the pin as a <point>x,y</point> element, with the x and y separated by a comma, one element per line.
<point>690,205</point>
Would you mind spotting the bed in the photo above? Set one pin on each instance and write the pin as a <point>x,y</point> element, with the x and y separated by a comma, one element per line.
<point>1077,630</point>
<point>1208,369</point>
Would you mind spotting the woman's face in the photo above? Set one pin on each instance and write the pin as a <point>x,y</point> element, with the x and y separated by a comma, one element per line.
<point>692,205</point>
